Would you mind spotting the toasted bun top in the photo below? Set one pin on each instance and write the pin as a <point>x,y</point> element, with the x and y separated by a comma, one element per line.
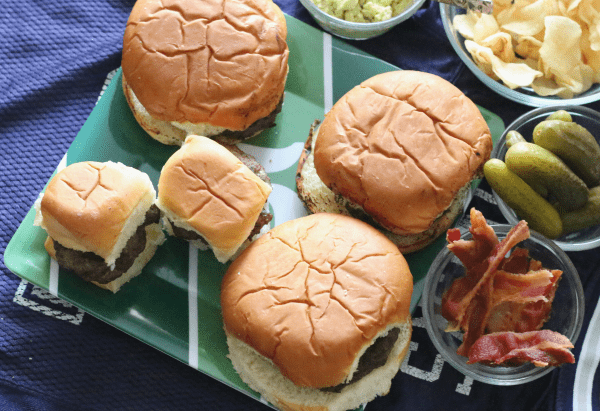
<point>401,145</point>
<point>312,292</point>
<point>206,188</point>
<point>222,62</point>
<point>92,206</point>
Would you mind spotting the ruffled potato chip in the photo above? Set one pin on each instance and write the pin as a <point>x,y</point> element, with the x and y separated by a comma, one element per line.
<point>513,75</point>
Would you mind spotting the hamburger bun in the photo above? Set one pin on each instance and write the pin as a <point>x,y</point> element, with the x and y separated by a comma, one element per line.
<point>210,195</point>
<point>101,221</point>
<point>212,68</point>
<point>398,151</point>
<point>317,313</point>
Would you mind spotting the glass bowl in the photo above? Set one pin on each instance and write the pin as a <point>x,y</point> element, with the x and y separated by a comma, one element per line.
<point>524,95</point>
<point>358,31</point>
<point>566,316</point>
<point>588,118</point>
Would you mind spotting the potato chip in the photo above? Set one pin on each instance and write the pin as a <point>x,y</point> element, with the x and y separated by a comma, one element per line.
<point>485,26</point>
<point>528,47</point>
<point>526,18</point>
<point>465,24</point>
<point>501,45</point>
<point>561,57</point>
<point>476,26</point>
<point>514,75</point>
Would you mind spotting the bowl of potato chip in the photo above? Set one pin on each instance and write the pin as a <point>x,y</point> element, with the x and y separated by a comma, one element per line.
<point>536,53</point>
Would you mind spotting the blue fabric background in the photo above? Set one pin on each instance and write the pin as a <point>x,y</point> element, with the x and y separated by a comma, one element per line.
<point>54,58</point>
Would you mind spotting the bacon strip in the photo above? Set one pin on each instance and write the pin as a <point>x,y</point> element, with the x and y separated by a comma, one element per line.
<point>542,348</point>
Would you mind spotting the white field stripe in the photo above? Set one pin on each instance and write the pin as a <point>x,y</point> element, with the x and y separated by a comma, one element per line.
<point>193,306</point>
<point>587,363</point>
<point>54,268</point>
<point>53,282</point>
<point>327,73</point>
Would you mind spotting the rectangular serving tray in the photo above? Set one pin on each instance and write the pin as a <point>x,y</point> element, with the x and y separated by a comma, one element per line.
<point>174,304</point>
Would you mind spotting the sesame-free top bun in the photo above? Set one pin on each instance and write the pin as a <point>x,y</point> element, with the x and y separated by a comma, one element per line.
<point>401,147</point>
<point>208,192</point>
<point>307,306</point>
<point>101,221</point>
<point>213,68</point>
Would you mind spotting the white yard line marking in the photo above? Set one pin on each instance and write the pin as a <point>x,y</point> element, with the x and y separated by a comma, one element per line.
<point>53,283</point>
<point>193,306</point>
<point>327,73</point>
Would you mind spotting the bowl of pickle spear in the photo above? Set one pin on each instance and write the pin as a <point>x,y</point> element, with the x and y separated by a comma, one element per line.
<point>545,170</point>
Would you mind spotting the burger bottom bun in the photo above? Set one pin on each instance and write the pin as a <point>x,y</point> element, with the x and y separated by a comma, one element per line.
<point>174,133</point>
<point>317,197</point>
<point>262,376</point>
<point>154,238</point>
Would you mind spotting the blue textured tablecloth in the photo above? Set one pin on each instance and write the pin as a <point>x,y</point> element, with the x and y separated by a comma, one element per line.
<point>54,58</point>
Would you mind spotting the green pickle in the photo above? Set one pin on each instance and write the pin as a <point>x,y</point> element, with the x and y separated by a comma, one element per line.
<point>513,137</point>
<point>524,200</point>
<point>560,115</point>
<point>574,144</point>
<point>537,165</point>
<point>587,216</point>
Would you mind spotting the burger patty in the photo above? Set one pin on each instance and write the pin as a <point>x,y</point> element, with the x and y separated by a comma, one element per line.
<point>92,267</point>
<point>374,357</point>
<point>254,128</point>
<point>263,219</point>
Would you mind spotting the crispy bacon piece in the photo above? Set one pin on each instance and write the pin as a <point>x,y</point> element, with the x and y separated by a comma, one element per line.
<point>542,348</point>
<point>522,302</point>
<point>472,320</point>
<point>472,252</point>
<point>503,292</point>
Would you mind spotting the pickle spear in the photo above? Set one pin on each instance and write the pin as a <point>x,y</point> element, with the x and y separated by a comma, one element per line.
<point>524,200</point>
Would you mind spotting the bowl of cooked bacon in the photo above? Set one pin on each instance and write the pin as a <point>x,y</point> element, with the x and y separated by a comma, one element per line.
<point>503,304</point>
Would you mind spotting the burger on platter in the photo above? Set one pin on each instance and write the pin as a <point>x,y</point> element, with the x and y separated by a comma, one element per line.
<point>317,313</point>
<point>214,196</point>
<point>398,151</point>
<point>101,221</point>
<point>211,68</point>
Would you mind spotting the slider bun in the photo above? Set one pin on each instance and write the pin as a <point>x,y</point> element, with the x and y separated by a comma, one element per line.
<point>205,188</point>
<point>401,146</point>
<point>310,296</point>
<point>95,207</point>
<point>220,64</point>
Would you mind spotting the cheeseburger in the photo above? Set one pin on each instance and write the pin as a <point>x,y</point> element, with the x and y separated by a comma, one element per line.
<point>212,68</point>
<point>101,221</point>
<point>317,313</point>
<point>214,196</point>
<point>398,151</point>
